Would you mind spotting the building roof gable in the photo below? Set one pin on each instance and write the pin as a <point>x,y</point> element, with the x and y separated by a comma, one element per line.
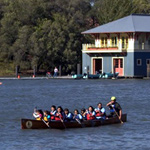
<point>131,23</point>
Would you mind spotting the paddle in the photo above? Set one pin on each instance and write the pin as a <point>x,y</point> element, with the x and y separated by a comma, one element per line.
<point>62,122</point>
<point>118,116</point>
<point>46,123</point>
<point>115,112</point>
<point>78,121</point>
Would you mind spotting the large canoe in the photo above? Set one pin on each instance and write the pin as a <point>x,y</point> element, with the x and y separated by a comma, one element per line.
<point>35,124</point>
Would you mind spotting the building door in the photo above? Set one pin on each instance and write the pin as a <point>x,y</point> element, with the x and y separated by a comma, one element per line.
<point>118,63</point>
<point>97,66</point>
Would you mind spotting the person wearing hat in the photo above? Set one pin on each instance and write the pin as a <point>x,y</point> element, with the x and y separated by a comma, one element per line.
<point>114,108</point>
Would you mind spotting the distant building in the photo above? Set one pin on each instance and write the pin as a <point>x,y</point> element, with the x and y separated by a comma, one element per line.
<point>123,44</point>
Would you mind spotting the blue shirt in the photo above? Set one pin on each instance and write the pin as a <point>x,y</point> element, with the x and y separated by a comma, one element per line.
<point>78,116</point>
<point>68,117</point>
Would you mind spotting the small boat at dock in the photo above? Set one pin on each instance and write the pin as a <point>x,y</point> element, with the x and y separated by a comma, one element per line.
<point>39,124</point>
<point>105,75</point>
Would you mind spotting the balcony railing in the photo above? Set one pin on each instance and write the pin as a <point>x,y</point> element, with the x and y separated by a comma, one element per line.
<point>93,46</point>
<point>122,47</point>
<point>142,46</point>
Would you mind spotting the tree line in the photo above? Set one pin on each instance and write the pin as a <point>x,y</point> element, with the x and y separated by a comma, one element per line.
<point>47,33</point>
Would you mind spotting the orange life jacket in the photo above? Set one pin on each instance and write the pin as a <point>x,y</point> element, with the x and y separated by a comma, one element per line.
<point>58,116</point>
<point>98,113</point>
<point>90,116</point>
<point>52,116</point>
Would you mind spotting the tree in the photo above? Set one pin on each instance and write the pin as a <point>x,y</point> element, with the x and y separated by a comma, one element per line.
<point>106,11</point>
<point>47,33</point>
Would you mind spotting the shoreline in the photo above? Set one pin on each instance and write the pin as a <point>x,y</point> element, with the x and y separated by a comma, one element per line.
<point>64,77</point>
<point>35,78</point>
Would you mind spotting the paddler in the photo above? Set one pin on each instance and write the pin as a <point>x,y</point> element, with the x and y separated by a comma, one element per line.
<point>53,112</point>
<point>67,115</point>
<point>38,114</point>
<point>59,114</point>
<point>77,115</point>
<point>100,112</point>
<point>47,116</point>
<point>114,108</point>
<point>83,114</point>
<point>91,113</point>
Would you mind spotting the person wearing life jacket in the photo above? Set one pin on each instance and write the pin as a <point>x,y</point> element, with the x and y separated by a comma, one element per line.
<point>77,116</point>
<point>59,114</point>
<point>47,116</point>
<point>67,115</point>
<point>38,114</point>
<point>114,108</point>
<point>91,113</point>
<point>53,112</point>
<point>83,114</point>
<point>100,112</point>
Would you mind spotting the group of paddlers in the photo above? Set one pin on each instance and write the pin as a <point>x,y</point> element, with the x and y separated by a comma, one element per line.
<point>90,114</point>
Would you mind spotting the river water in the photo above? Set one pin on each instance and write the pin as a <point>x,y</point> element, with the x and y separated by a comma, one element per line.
<point>19,97</point>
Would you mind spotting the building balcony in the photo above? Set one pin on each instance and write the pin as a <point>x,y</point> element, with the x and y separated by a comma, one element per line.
<point>92,48</point>
<point>142,46</point>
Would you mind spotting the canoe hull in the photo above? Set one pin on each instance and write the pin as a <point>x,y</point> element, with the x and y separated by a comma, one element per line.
<point>35,124</point>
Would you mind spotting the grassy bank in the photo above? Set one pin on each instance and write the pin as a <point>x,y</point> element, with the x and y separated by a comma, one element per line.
<point>7,69</point>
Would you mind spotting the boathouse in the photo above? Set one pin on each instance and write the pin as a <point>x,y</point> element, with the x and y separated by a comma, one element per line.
<point>121,46</point>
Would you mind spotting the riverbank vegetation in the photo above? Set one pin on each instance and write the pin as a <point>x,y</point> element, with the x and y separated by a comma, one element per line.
<point>47,33</point>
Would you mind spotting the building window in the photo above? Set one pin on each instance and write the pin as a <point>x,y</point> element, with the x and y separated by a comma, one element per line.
<point>116,63</point>
<point>139,62</point>
<point>124,42</point>
<point>114,41</point>
<point>147,61</point>
<point>104,41</point>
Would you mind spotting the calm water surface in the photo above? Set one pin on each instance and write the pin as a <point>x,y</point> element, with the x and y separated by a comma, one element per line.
<point>19,97</point>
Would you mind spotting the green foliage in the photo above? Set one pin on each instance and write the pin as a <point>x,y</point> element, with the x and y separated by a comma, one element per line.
<point>107,10</point>
<point>47,33</point>
<point>7,69</point>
